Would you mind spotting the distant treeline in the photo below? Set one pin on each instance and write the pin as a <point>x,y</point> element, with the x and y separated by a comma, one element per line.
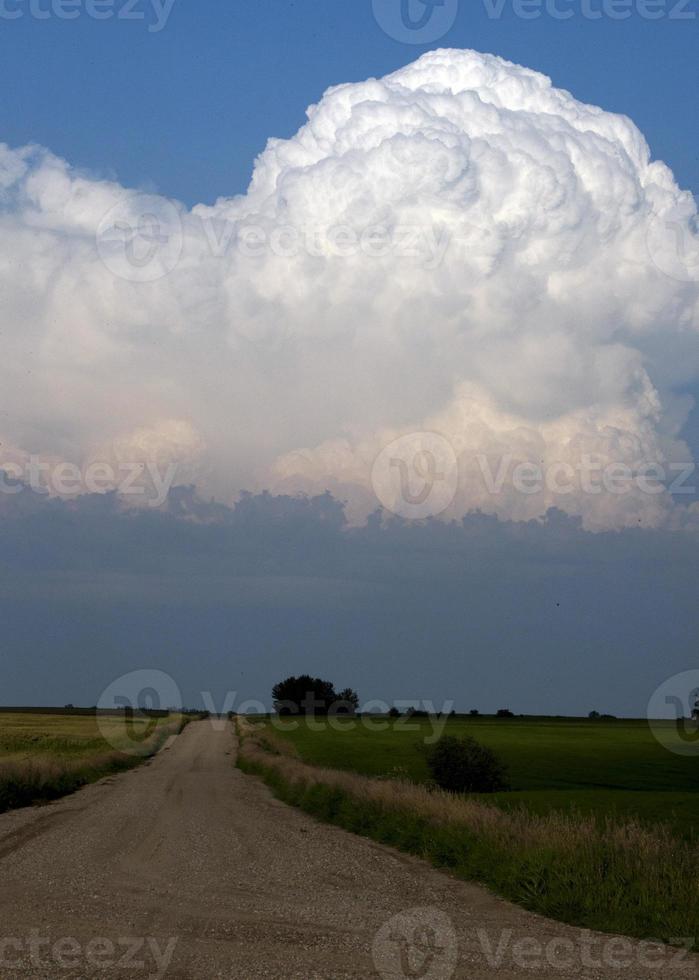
<point>467,716</point>
<point>149,712</point>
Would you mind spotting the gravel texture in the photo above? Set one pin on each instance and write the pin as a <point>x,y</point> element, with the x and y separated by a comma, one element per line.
<point>186,868</point>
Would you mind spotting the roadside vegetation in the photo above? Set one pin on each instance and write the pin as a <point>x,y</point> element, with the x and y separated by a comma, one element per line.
<point>596,767</point>
<point>599,871</point>
<point>44,756</point>
<point>462,765</point>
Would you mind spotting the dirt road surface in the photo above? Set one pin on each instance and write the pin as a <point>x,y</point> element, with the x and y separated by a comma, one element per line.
<point>185,868</point>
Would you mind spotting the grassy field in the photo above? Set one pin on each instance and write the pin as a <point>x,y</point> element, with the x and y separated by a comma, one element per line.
<point>598,831</point>
<point>605,768</point>
<point>43,756</point>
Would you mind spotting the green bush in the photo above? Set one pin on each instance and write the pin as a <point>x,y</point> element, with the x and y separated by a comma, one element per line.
<point>463,765</point>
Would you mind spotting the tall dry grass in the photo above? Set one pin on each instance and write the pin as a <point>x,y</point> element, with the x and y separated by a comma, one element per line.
<point>42,775</point>
<point>613,876</point>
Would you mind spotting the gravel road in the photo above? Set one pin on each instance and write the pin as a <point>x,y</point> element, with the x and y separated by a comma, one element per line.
<point>186,868</point>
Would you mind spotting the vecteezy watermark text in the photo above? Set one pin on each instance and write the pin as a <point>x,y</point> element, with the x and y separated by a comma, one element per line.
<point>423,942</point>
<point>426,21</point>
<point>592,474</point>
<point>586,950</point>
<point>419,475</point>
<point>425,242</point>
<point>418,715</point>
<point>127,953</point>
<point>147,690</point>
<point>64,479</point>
<point>142,239</point>
<point>154,13</point>
<point>592,9</point>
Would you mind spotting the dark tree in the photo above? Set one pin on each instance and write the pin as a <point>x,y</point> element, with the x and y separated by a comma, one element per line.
<point>505,713</point>
<point>347,702</point>
<point>306,695</point>
<point>463,765</point>
<point>417,713</point>
<point>394,712</point>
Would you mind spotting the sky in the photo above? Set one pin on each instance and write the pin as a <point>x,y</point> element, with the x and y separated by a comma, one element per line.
<point>433,306</point>
<point>186,109</point>
<point>539,618</point>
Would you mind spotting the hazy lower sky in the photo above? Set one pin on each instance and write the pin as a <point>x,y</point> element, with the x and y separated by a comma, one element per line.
<point>542,618</point>
<point>422,279</point>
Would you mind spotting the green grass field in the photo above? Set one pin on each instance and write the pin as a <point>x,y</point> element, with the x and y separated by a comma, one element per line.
<point>43,756</point>
<point>599,829</point>
<point>614,768</point>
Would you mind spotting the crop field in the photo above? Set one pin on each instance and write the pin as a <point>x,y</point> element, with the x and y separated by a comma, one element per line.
<point>603,768</point>
<point>43,756</point>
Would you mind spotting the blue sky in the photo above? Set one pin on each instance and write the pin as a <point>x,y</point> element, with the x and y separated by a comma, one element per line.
<point>185,110</point>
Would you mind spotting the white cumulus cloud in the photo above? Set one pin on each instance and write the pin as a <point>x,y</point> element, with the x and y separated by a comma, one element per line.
<point>457,248</point>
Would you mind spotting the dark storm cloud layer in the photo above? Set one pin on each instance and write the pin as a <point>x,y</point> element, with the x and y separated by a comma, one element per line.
<point>539,616</point>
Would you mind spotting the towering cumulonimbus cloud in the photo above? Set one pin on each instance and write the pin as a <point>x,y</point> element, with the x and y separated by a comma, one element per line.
<point>458,248</point>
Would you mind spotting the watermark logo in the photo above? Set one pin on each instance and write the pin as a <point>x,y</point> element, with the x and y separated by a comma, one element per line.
<point>416,476</point>
<point>673,242</point>
<point>141,238</point>
<point>418,943</point>
<point>415,21</point>
<point>673,713</point>
<point>144,696</point>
